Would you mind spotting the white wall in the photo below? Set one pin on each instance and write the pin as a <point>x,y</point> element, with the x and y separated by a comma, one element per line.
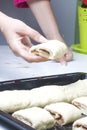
<point>65,12</point>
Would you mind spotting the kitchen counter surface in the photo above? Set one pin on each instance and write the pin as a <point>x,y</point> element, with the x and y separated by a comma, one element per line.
<point>12,67</point>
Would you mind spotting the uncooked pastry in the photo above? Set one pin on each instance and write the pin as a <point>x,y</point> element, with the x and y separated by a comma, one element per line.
<point>75,90</point>
<point>81,103</point>
<point>12,100</point>
<point>63,112</point>
<point>53,49</point>
<point>80,124</point>
<point>35,117</point>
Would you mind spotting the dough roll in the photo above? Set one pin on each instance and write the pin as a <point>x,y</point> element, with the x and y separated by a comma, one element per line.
<point>63,112</point>
<point>81,103</point>
<point>18,99</point>
<point>45,95</point>
<point>12,100</point>
<point>75,90</point>
<point>53,49</point>
<point>80,124</point>
<point>35,117</point>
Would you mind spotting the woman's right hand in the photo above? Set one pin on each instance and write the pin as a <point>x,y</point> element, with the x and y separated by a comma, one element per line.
<point>18,36</point>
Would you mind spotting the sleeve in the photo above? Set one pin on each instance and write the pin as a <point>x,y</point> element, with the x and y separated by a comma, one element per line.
<point>21,3</point>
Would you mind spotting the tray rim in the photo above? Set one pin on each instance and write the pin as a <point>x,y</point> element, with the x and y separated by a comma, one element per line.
<point>32,79</point>
<point>40,78</point>
<point>9,120</point>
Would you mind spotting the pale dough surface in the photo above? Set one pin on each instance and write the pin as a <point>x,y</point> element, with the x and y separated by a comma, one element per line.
<point>63,112</point>
<point>75,90</point>
<point>36,117</point>
<point>53,49</point>
<point>80,124</point>
<point>12,100</point>
<point>45,95</point>
<point>18,99</point>
<point>81,103</point>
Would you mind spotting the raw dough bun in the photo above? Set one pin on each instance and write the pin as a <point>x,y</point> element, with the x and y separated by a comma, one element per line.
<point>80,124</point>
<point>81,103</point>
<point>63,112</point>
<point>75,90</point>
<point>45,95</point>
<point>53,49</point>
<point>18,99</point>
<point>35,117</point>
<point>12,100</point>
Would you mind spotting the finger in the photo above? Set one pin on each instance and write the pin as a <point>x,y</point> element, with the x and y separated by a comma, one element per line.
<point>31,58</point>
<point>23,51</point>
<point>62,61</point>
<point>69,56</point>
<point>26,41</point>
<point>34,35</point>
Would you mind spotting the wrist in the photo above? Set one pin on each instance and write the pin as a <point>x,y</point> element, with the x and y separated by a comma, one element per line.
<point>3,20</point>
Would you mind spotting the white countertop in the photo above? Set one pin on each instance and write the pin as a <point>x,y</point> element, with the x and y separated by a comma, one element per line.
<point>12,67</point>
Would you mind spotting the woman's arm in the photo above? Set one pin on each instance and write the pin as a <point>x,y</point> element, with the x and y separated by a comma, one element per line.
<point>45,17</point>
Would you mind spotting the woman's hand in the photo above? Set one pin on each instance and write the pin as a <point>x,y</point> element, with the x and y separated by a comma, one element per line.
<point>66,58</point>
<point>18,35</point>
<point>49,26</point>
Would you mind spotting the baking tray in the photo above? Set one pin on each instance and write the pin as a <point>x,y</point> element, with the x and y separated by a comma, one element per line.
<point>7,122</point>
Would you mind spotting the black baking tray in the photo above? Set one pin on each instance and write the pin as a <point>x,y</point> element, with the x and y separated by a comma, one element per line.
<point>7,122</point>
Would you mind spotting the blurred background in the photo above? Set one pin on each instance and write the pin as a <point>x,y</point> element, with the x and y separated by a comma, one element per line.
<point>64,10</point>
